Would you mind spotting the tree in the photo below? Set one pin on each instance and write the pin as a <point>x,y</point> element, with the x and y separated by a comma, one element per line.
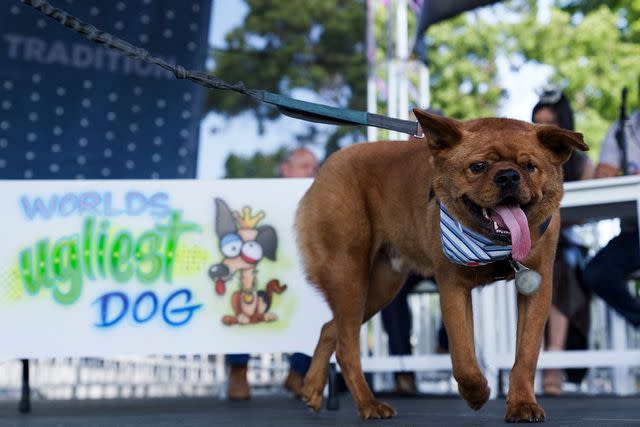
<point>258,165</point>
<point>285,45</point>
<point>593,55</point>
<point>461,57</point>
<point>319,46</point>
<point>462,65</point>
<point>627,10</point>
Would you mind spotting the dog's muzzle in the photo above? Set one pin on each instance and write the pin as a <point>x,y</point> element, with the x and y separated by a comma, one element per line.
<point>508,181</point>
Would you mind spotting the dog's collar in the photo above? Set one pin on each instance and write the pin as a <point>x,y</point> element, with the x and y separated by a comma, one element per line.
<point>467,247</point>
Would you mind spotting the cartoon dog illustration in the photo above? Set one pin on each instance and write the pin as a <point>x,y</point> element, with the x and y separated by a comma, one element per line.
<point>243,245</point>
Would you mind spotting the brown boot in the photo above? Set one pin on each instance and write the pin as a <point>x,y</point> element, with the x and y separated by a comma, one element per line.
<point>552,380</point>
<point>406,384</point>
<point>238,386</point>
<point>294,382</point>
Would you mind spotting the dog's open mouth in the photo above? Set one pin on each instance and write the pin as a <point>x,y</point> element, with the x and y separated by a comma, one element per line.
<point>505,222</point>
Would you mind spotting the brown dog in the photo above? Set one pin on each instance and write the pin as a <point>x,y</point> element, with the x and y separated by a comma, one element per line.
<point>373,213</point>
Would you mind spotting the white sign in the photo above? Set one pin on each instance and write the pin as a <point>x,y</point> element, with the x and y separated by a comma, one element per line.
<point>96,268</point>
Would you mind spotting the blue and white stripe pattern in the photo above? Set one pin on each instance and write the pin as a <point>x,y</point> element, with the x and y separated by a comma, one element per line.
<point>466,247</point>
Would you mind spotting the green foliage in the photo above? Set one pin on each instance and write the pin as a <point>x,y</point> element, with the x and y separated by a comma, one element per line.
<point>628,12</point>
<point>319,45</point>
<point>592,57</point>
<point>258,165</point>
<point>462,65</point>
<point>284,45</point>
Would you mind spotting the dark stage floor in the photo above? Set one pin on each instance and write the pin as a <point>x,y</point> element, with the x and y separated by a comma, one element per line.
<point>284,411</point>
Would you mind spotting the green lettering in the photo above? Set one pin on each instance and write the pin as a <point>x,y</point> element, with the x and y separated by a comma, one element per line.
<point>66,267</point>
<point>87,246</point>
<point>173,230</point>
<point>121,251</point>
<point>102,246</point>
<point>33,269</point>
<point>147,252</point>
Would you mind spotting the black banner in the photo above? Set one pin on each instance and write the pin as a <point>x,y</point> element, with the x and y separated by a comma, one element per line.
<point>73,109</point>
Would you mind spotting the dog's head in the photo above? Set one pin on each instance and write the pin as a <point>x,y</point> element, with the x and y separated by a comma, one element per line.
<point>243,243</point>
<point>499,177</point>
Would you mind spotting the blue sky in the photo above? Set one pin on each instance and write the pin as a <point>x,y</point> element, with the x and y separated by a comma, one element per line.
<point>220,137</point>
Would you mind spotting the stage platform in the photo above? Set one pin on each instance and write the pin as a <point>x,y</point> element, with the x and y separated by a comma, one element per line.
<point>281,410</point>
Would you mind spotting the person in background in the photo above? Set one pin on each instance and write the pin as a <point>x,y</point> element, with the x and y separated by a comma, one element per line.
<point>397,322</point>
<point>298,163</point>
<point>607,273</point>
<point>568,323</point>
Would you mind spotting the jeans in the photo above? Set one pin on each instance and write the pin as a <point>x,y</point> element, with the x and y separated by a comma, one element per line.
<point>607,274</point>
<point>299,362</point>
<point>396,319</point>
<point>237,360</point>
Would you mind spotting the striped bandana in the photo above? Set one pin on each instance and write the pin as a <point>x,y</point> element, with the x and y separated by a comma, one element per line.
<point>466,247</point>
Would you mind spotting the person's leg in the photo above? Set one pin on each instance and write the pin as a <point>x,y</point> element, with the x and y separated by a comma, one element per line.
<point>239,359</point>
<point>607,273</point>
<point>298,366</point>
<point>557,326</point>
<point>443,339</point>
<point>300,363</point>
<point>396,319</point>
<point>238,385</point>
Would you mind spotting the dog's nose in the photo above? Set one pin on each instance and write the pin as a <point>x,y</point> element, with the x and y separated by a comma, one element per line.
<point>218,271</point>
<point>507,179</point>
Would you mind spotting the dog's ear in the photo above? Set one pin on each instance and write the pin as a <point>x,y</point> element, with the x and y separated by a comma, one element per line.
<point>268,239</point>
<point>560,142</point>
<point>441,132</point>
<point>225,222</point>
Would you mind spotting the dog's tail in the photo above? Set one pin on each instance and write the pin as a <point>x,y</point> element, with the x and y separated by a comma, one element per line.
<point>274,286</point>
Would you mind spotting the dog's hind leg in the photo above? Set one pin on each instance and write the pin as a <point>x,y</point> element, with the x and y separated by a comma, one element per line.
<point>316,377</point>
<point>348,320</point>
<point>384,285</point>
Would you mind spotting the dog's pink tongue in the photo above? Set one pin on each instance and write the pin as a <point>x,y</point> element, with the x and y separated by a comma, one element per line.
<point>515,220</point>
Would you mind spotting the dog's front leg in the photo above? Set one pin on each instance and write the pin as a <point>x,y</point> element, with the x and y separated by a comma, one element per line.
<point>533,311</point>
<point>457,313</point>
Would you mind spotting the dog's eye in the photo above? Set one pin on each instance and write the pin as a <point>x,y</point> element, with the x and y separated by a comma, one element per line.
<point>230,245</point>
<point>530,167</point>
<point>478,167</point>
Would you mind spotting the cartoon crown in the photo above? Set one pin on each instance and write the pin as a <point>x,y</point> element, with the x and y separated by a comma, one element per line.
<point>247,220</point>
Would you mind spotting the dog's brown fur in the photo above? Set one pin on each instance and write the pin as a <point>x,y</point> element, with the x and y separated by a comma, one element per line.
<point>371,204</point>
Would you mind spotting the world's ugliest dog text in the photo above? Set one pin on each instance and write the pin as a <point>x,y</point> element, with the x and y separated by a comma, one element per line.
<point>63,265</point>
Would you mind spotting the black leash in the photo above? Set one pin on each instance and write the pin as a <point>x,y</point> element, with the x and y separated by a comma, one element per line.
<point>309,111</point>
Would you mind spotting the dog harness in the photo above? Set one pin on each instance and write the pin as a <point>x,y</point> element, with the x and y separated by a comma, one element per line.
<point>464,246</point>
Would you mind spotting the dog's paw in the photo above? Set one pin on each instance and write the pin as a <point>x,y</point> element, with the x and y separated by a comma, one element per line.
<point>376,409</point>
<point>475,393</point>
<point>313,400</point>
<point>524,412</point>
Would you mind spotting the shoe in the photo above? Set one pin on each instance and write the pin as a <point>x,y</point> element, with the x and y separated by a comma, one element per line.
<point>294,382</point>
<point>406,384</point>
<point>552,382</point>
<point>237,385</point>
